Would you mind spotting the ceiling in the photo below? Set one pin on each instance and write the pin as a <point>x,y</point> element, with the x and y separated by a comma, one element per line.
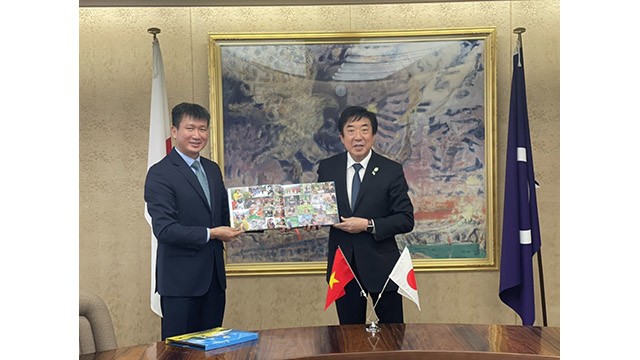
<point>187,3</point>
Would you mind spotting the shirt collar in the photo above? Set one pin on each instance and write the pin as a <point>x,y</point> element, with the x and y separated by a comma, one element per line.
<point>364,161</point>
<point>187,159</point>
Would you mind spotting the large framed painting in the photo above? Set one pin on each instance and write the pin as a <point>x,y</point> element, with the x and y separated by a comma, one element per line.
<point>275,100</point>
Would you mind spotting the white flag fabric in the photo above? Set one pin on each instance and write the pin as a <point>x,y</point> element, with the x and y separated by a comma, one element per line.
<point>159,146</point>
<point>403,275</point>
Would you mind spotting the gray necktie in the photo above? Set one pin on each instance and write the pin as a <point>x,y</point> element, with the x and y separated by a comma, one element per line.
<point>202,178</point>
<point>355,185</point>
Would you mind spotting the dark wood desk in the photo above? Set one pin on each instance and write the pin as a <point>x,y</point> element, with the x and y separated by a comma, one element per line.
<point>393,342</point>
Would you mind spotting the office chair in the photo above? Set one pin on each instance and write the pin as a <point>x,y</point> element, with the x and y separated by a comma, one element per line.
<point>96,327</point>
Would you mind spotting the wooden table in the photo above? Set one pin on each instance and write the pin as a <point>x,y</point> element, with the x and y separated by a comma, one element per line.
<point>393,342</point>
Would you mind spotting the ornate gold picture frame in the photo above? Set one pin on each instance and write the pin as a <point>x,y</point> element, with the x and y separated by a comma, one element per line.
<point>275,99</point>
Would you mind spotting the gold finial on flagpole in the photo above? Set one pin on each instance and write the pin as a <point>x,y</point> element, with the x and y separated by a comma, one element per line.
<point>154,31</point>
<point>519,31</point>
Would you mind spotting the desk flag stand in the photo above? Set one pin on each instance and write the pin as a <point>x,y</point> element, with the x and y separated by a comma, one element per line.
<point>373,328</point>
<point>401,274</point>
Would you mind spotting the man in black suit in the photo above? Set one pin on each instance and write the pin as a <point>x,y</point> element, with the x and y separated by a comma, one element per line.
<point>366,234</point>
<point>187,201</point>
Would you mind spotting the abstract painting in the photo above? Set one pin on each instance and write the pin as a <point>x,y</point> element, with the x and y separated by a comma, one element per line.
<point>275,101</point>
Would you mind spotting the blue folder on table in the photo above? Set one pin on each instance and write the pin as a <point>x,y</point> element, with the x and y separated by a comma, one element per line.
<point>212,339</point>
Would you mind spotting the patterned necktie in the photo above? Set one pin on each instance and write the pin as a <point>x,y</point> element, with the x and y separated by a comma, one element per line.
<point>202,178</point>
<point>355,185</point>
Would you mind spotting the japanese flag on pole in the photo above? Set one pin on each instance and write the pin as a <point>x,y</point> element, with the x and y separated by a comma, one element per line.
<point>159,147</point>
<point>402,274</point>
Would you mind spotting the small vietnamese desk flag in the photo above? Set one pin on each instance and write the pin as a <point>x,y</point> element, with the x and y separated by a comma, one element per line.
<point>341,274</point>
<point>159,147</point>
<point>520,227</point>
<point>403,275</point>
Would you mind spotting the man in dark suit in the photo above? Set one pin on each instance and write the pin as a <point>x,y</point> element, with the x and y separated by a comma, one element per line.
<point>366,234</point>
<point>187,201</point>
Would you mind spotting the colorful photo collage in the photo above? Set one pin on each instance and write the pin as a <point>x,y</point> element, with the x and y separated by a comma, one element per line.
<point>272,206</point>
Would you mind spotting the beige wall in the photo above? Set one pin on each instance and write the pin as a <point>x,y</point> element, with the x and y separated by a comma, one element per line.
<point>115,84</point>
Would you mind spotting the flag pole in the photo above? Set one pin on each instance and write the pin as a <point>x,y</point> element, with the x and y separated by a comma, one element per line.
<point>518,31</point>
<point>373,307</point>
<point>373,328</point>
<point>159,147</point>
<point>362,292</point>
<point>542,296</point>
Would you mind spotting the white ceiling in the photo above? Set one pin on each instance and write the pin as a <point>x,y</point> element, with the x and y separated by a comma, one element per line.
<point>186,3</point>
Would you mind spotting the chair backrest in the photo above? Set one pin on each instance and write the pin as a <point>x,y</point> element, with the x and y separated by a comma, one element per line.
<point>96,327</point>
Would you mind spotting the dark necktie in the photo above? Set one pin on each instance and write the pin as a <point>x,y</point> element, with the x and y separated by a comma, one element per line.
<point>355,185</point>
<point>202,178</point>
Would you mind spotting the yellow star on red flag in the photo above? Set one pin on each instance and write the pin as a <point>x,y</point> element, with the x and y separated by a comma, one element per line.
<point>333,280</point>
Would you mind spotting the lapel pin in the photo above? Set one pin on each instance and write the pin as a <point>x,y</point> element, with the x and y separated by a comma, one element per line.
<point>375,170</point>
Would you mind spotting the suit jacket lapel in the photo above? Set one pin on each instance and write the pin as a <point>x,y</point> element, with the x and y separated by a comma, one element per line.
<point>191,177</point>
<point>341,184</point>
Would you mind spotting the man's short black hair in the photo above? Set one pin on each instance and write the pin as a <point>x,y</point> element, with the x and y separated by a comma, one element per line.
<point>194,111</point>
<point>353,113</point>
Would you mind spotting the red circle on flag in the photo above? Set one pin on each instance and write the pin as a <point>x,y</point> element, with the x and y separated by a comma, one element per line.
<point>411,280</point>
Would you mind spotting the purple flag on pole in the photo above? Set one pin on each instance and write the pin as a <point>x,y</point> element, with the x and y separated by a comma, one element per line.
<point>520,227</point>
